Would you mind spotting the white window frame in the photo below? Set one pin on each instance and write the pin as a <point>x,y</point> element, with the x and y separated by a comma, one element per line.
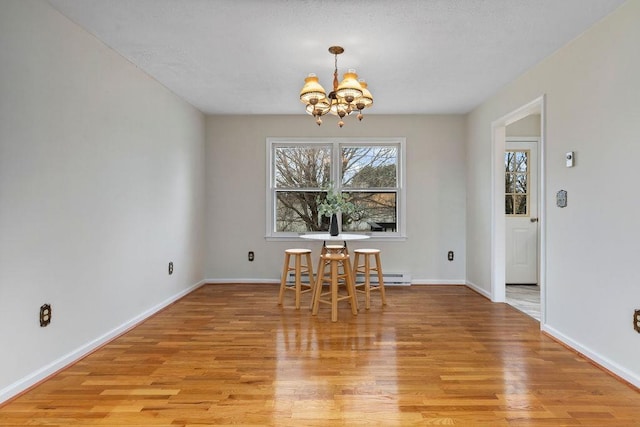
<point>336,143</point>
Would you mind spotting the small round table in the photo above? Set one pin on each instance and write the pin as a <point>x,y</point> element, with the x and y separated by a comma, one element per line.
<point>326,237</point>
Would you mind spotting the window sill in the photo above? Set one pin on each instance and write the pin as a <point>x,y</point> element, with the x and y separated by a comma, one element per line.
<point>372,238</point>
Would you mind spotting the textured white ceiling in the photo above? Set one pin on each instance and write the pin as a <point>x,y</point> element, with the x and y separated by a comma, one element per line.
<point>251,56</point>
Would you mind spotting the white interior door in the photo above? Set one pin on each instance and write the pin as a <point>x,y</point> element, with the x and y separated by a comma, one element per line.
<point>521,211</point>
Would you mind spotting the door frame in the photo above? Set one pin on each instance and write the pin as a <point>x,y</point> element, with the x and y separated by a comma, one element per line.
<point>498,224</point>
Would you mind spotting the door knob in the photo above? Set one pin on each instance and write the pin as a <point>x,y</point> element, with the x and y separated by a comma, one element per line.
<point>534,220</point>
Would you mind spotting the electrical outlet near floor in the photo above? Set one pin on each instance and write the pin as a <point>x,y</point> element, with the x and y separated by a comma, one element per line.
<point>636,321</point>
<point>45,315</point>
<point>170,268</point>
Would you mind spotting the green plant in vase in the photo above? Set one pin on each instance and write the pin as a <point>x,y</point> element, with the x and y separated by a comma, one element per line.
<point>333,204</point>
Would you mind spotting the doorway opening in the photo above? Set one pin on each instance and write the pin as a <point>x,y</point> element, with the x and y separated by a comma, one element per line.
<point>521,215</point>
<point>518,255</point>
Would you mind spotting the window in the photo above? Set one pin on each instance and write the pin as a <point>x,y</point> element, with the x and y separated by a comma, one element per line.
<point>516,179</point>
<point>368,172</point>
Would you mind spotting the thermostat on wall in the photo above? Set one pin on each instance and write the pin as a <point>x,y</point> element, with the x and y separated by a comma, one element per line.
<point>569,157</point>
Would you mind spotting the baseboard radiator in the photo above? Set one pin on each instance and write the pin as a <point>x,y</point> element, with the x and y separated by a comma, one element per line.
<point>390,279</point>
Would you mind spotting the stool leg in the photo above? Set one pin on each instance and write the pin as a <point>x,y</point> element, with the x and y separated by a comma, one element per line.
<point>380,281</point>
<point>367,282</point>
<point>356,270</point>
<point>283,280</point>
<point>334,291</point>
<point>312,284</point>
<point>317,290</point>
<point>351,287</point>
<point>315,301</point>
<point>298,280</point>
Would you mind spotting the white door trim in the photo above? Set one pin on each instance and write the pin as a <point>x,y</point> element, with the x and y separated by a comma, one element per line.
<point>498,226</point>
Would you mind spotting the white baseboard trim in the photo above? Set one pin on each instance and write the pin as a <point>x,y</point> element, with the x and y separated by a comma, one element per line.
<point>43,373</point>
<point>437,282</point>
<point>478,289</point>
<point>241,281</point>
<point>272,281</point>
<point>618,370</point>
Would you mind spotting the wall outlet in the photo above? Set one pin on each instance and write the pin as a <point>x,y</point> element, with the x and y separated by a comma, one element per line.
<point>636,321</point>
<point>450,255</point>
<point>251,256</point>
<point>170,268</point>
<point>45,315</point>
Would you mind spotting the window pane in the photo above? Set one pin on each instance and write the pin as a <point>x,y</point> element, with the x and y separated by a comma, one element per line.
<point>521,161</point>
<point>369,167</point>
<point>374,212</point>
<point>302,167</point>
<point>509,161</point>
<point>508,204</point>
<point>520,204</point>
<point>520,183</point>
<point>509,182</point>
<point>297,211</point>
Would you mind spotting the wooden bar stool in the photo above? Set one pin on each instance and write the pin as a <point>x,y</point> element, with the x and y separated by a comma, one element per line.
<point>366,268</point>
<point>329,249</point>
<point>299,268</point>
<point>340,274</point>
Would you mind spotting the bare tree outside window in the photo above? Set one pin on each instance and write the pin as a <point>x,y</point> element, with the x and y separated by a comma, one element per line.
<point>368,178</point>
<point>516,182</point>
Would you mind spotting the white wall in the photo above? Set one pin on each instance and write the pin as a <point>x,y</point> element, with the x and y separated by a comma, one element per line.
<point>592,107</point>
<point>236,191</point>
<point>101,185</point>
<point>527,126</point>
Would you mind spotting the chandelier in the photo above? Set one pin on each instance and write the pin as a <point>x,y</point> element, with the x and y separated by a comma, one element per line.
<point>348,96</point>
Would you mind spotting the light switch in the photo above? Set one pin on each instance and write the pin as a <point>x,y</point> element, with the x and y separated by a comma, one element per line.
<point>561,199</point>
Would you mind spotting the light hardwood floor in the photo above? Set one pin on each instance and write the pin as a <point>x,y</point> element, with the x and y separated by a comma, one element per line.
<point>229,355</point>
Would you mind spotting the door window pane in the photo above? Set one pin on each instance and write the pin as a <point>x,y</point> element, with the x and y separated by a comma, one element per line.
<point>516,179</point>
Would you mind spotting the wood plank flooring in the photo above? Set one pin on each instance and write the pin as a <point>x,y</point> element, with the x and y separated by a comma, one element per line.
<point>229,355</point>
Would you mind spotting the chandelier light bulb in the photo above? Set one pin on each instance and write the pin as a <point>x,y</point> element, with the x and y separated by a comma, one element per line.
<point>312,90</point>
<point>349,88</point>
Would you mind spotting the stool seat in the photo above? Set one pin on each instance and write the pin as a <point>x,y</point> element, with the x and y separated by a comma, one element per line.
<point>334,249</point>
<point>367,251</point>
<point>297,251</point>
<point>340,274</point>
<point>299,268</point>
<point>366,269</point>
